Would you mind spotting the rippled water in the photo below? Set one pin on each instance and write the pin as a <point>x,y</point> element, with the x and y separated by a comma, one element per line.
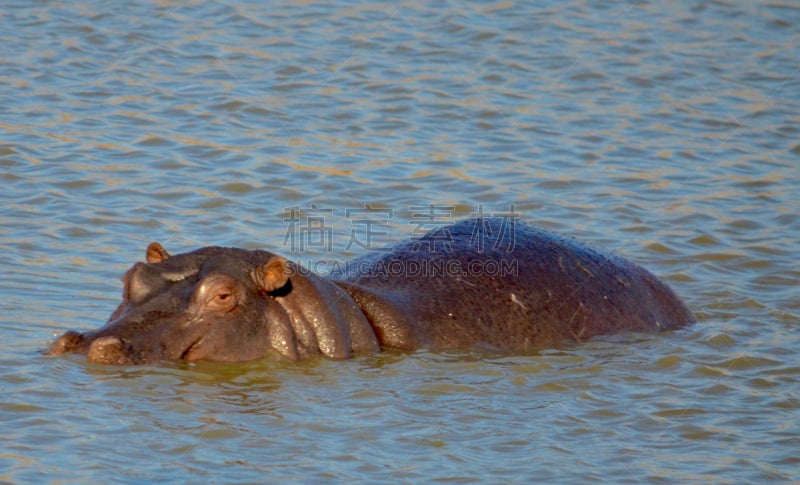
<point>663,131</point>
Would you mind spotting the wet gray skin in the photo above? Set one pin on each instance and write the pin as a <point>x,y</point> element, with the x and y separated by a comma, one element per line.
<point>480,283</point>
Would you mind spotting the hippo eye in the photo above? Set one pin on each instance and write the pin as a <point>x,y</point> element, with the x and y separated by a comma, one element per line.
<point>218,292</point>
<point>224,300</point>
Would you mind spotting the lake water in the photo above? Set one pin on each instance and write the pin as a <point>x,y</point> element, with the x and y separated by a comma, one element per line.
<point>667,132</point>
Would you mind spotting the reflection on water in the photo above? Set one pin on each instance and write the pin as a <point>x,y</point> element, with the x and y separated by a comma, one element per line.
<point>666,133</point>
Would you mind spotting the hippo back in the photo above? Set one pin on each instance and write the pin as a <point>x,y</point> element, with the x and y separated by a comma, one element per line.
<point>505,284</point>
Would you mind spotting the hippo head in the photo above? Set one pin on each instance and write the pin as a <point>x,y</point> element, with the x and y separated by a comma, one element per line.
<point>213,303</point>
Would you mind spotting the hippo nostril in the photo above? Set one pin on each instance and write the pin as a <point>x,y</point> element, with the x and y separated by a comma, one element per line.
<point>69,342</point>
<point>110,350</point>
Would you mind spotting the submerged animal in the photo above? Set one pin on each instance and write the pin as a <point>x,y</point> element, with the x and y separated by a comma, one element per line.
<point>480,283</point>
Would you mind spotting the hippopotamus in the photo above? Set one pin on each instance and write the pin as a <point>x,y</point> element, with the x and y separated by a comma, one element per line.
<point>521,290</point>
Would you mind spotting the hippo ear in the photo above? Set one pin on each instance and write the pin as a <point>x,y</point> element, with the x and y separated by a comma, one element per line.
<point>272,275</point>
<point>156,253</point>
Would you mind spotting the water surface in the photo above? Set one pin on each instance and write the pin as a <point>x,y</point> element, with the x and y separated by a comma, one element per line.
<point>667,133</point>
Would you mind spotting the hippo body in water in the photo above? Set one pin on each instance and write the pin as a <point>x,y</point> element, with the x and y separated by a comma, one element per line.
<point>480,283</point>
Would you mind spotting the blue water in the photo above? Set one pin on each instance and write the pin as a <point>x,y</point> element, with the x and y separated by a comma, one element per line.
<point>664,132</point>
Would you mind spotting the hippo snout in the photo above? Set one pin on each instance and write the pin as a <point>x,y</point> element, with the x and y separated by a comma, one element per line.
<point>101,350</point>
<point>71,341</point>
<point>110,350</point>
